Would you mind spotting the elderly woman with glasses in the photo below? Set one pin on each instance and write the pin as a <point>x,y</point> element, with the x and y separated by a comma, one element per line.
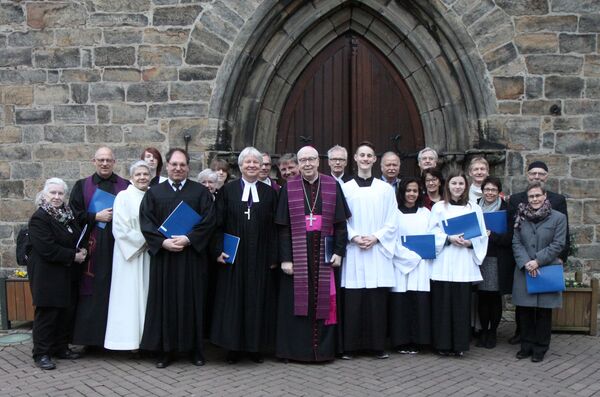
<point>539,237</point>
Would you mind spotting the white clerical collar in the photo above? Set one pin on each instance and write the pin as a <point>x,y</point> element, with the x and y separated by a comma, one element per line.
<point>339,179</point>
<point>266,181</point>
<point>181,182</point>
<point>250,189</point>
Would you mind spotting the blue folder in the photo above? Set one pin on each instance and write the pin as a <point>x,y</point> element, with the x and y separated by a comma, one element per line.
<point>550,279</point>
<point>230,246</point>
<point>422,244</point>
<point>329,245</point>
<point>496,221</point>
<point>466,224</point>
<point>101,200</point>
<point>180,222</point>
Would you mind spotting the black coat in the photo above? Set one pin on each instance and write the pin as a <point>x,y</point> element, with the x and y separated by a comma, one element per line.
<point>50,266</point>
<point>500,246</point>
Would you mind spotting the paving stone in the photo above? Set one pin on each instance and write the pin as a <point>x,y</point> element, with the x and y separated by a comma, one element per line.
<point>541,43</point>
<point>164,55</point>
<point>578,43</point>
<point>524,7</point>
<point>12,57</point>
<point>42,15</point>
<point>11,14</point>
<point>550,64</point>
<point>32,116</point>
<point>114,56</point>
<point>589,23</point>
<point>75,114</point>
<point>553,23</point>
<point>563,87</point>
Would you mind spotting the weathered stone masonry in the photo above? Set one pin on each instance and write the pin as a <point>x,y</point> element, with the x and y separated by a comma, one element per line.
<point>518,76</point>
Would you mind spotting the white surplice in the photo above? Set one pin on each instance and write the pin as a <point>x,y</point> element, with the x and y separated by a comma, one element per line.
<point>374,212</point>
<point>130,274</point>
<point>453,263</point>
<point>411,271</point>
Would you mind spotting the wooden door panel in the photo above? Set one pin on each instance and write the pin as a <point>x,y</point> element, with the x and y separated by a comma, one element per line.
<point>349,93</point>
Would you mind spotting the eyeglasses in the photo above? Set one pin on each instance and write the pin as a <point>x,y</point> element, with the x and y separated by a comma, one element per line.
<point>534,196</point>
<point>490,190</point>
<point>337,159</point>
<point>537,173</point>
<point>433,180</point>
<point>307,160</point>
<point>104,160</point>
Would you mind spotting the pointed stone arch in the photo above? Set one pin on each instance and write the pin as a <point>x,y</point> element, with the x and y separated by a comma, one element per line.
<point>436,57</point>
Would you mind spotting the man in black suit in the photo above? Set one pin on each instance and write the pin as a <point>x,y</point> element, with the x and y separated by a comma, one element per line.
<point>337,158</point>
<point>537,171</point>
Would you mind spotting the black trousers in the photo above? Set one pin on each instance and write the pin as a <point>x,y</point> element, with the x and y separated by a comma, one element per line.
<point>52,328</point>
<point>365,318</point>
<point>536,329</point>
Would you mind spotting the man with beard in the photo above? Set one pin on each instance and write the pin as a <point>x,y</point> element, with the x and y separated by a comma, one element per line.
<point>94,289</point>
<point>178,265</point>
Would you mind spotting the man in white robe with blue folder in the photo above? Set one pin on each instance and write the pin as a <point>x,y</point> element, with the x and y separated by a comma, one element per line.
<point>178,265</point>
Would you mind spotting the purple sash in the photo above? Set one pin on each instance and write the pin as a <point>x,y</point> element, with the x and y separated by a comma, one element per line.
<point>300,251</point>
<point>89,188</point>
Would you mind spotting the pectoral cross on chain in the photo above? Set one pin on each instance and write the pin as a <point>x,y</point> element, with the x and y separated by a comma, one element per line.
<point>247,212</point>
<point>311,218</point>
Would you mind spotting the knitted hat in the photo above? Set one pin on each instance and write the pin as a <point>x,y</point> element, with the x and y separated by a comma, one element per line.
<point>538,164</point>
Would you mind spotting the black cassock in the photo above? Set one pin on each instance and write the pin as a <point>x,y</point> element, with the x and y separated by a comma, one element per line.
<point>244,310</point>
<point>177,287</point>
<point>304,338</point>
<point>92,307</point>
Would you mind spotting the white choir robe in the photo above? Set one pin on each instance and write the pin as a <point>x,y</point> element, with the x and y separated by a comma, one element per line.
<point>374,212</point>
<point>130,274</point>
<point>411,271</point>
<point>453,263</point>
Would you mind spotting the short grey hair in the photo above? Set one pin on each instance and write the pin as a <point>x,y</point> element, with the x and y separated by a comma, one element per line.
<point>249,151</point>
<point>137,164</point>
<point>337,148</point>
<point>46,188</point>
<point>288,157</point>
<point>427,149</point>
<point>207,174</point>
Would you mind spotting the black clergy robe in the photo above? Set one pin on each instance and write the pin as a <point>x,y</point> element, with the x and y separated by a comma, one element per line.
<point>244,310</point>
<point>92,307</point>
<point>177,286</point>
<point>305,338</point>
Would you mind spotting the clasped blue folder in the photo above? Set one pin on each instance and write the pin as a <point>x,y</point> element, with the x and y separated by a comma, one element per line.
<point>422,244</point>
<point>496,221</point>
<point>466,224</point>
<point>550,279</point>
<point>101,200</point>
<point>180,221</point>
<point>230,246</point>
<point>329,245</point>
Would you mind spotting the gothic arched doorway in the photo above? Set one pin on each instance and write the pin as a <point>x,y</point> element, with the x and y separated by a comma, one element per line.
<point>349,93</point>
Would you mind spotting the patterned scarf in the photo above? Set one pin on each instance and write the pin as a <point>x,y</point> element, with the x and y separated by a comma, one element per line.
<point>526,212</point>
<point>62,214</point>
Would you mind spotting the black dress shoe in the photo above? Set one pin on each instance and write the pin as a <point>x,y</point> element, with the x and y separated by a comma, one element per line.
<point>198,359</point>
<point>164,360</point>
<point>45,362</point>
<point>232,357</point>
<point>490,343</point>
<point>537,357</point>
<point>68,354</point>
<point>515,339</point>
<point>256,357</point>
<point>523,354</point>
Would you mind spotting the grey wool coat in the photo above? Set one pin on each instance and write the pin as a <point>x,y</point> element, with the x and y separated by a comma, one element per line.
<point>542,241</point>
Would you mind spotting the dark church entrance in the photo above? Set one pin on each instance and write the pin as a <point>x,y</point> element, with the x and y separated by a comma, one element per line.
<point>349,93</point>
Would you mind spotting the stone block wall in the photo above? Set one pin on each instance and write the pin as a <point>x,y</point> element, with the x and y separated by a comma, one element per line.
<point>129,74</point>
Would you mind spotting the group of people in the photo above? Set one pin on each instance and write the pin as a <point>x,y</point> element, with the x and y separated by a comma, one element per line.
<point>319,269</point>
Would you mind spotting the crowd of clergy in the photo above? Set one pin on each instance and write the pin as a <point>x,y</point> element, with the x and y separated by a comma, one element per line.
<point>319,267</point>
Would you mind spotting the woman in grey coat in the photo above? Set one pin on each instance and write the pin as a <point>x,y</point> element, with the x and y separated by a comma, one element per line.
<point>539,237</point>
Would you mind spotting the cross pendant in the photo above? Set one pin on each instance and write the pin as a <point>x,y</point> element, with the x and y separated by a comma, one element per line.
<point>247,212</point>
<point>311,219</point>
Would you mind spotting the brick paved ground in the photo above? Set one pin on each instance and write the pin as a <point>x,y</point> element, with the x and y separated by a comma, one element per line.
<point>571,368</point>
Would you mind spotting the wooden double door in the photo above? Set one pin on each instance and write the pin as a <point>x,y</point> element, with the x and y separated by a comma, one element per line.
<point>349,93</point>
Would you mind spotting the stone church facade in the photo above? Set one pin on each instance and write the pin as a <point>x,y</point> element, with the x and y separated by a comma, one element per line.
<point>512,80</point>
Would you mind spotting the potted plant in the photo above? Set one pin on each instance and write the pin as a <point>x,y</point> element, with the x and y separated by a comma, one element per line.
<point>579,311</point>
<point>17,304</point>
